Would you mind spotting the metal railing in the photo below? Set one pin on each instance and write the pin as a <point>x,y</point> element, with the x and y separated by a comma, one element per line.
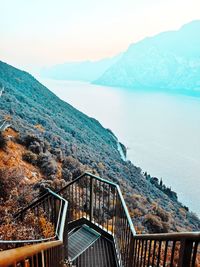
<point>167,250</point>
<point>51,250</point>
<point>101,202</point>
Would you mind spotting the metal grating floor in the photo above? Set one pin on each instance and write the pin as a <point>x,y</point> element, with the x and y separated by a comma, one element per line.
<point>100,254</point>
<point>80,240</point>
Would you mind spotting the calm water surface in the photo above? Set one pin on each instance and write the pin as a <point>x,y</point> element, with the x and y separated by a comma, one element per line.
<point>161,131</point>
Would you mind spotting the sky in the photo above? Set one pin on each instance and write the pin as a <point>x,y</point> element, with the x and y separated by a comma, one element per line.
<point>38,33</point>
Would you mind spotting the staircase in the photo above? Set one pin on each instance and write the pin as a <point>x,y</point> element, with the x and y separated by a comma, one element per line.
<point>92,228</point>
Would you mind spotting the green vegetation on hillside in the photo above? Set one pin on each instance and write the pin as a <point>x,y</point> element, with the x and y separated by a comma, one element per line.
<point>60,143</point>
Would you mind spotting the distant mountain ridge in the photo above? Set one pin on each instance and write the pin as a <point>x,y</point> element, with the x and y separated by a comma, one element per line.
<point>82,71</point>
<point>167,61</point>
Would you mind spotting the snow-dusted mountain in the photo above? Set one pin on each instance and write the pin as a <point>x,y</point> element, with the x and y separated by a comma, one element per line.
<point>167,61</point>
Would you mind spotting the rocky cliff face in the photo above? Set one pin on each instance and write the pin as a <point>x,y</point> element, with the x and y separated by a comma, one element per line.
<point>169,61</point>
<point>62,143</point>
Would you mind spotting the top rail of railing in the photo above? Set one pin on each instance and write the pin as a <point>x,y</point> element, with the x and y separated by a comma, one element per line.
<point>170,236</point>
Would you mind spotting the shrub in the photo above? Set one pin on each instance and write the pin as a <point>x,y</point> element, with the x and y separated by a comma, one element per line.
<point>29,139</point>
<point>73,166</point>
<point>30,157</point>
<point>9,179</point>
<point>66,174</point>
<point>154,224</point>
<point>47,164</point>
<point>3,142</point>
<point>71,163</point>
<point>162,214</point>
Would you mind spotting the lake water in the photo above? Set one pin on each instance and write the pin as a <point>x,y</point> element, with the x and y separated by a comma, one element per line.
<point>161,131</point>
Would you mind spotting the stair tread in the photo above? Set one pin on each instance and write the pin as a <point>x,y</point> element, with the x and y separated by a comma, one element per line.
<point>81,240</point>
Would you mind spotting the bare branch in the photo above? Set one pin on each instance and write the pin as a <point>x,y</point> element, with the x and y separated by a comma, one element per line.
<point>4,126</point>
<point>2,90</point>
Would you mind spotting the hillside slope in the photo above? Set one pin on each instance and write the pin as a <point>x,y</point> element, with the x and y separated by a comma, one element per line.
<point>169,61</point>
<point>63,142</point>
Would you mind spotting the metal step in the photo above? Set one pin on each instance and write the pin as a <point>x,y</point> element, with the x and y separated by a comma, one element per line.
<point>80,240</point>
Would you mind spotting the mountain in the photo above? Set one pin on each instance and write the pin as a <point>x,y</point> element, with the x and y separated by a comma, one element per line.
<point>168,61</point>
<point>58,143</point>
<point>82,71</point>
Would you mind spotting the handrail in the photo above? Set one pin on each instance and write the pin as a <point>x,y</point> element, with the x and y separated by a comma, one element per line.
<point>8,257</point>
<point>170,236</point>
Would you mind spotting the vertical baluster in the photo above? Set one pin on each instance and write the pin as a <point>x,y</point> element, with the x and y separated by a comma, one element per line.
<point>51,204</point>
<point>86,197</point>
<point>72,196</point>
<point>127,242</point>
<point>123,234</point>
<point>145,253</point>
<point>149,253</point>
<point>108,208</point>
<point>165,254</point>
<point>141,257</point>
<point>159,252</point>
<point>116,213</point>
<point>99,217</point>
<point>126,233</point>
<point>103,205</point>
<point>138,253</point>
<point>116,217</point>
<point>131,251</point>
<point>48,208</point>
<point>113,210</point>
<point>36,260</point>
<point>172,254</point>
<point>194,253</point>
<point>154,252</point>
<point>185,252</point>
<point>95,199</point>
<point>79,200</point>
<point>76,201</point>
<point>91,197</point>
<point>135,252</point>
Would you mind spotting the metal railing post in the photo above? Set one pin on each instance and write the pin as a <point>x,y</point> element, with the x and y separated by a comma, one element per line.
<point>185,253</point>
<point>131,252</point>
<point>91,198</point>
<point>65,241</point>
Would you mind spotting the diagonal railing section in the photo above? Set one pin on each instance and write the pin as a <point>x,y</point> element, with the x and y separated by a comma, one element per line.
<point>101,202</point>
<point>54,208</point>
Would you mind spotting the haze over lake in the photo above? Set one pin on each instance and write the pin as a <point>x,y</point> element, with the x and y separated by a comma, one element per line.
<point>161,131</point>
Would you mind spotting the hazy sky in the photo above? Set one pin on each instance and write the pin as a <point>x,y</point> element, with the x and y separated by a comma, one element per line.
<point>47,32</point>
